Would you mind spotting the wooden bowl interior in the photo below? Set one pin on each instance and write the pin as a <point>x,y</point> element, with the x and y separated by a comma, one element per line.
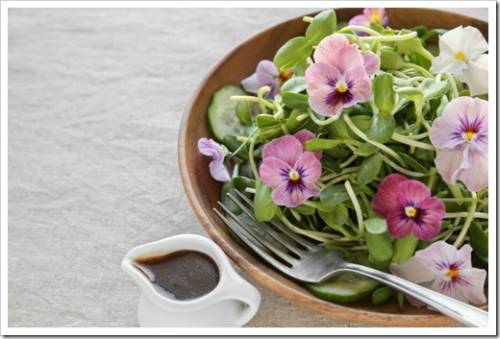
<point>203,192</point>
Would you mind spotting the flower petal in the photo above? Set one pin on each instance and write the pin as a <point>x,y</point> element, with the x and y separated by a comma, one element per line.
<point>449,162</point>
<point>371,62</point>
<point>210,148</point>
<point>447,63</point>
<point>438,255</point>
<point>412,192</point>
<point>274,171</point>
<point>475,175</point>
<point>267,67</point>
<point>218,171</point>
<point>337,51</point>
<point>360,20</point>
<point>310,167</point>
<point>474,291</point>
<point>385,199</point>
<point>361,85</point>
<point>283,196</point>
<point>399,226</point>
<point>286,148</point>
<point>251,84</point>
<point>476,75</point>
<point>305,135</point>
<point>414,270</point>
<point>474,43</point>
<point>446,131</point>
<point>433,213</point>
<point>317,77</point>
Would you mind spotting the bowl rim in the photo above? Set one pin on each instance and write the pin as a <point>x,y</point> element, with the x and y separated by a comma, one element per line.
<point>343,311</point>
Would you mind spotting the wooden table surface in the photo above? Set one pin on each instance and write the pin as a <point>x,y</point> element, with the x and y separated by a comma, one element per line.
<point>95,102</point>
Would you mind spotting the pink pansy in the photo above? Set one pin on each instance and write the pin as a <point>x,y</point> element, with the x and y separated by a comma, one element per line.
<point>289,171</point>
<point>461,136</point>
<point>266,74</point>
<point>370,15</point>
<point>339,76</point>
<point>212,149</point>
<point>408,207</point>
<point>445,269</point>
<point>305,135</point>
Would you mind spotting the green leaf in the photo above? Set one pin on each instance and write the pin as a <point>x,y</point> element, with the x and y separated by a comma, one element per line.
<point>241,182</point>
<point>412,163</point>
<point>295,100</point>
<point>479,242</point>
<point>334,195</point>
<point>381,128</point>
<point>391,60</point>
<point>243,112</point>
<point>305,210</point>
<point>413,46</point>
<point>368,170</point>
<point>300,68</point>
<point>293,51</point>
<point>337,217</point>
<point>379,243</point>
<point>296,84</point>
<point>412,94</point>
<point>321,144</point>
<point>383,93</point>
<point>323,24</point>
<point>365,150</point>
<point>433,89</point>
<point>264,207</point>
<point>291,122</point>
<point>265,120</point>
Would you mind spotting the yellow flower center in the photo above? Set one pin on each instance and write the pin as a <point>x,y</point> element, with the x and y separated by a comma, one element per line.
<point>341,87</point>
<point>375,16</point>
<point>453,273</point>
<point>294,176</point>
<point>284,75</point>
<point>469,135</point>
<point>410,211</point>
<point>459,56</point>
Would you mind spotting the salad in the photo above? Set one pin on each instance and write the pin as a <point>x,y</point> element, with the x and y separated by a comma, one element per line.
<point>371,141</point>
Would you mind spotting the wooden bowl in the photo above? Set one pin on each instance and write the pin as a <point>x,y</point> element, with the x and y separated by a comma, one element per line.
<point>203,192</point>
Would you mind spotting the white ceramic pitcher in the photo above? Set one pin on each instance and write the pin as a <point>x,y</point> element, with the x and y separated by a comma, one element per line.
<point>232,303</point>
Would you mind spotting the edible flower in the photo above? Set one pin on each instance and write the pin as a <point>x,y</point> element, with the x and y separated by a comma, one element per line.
<point>408,207</point>
<point>370,15</point>
<point>461,52</point>
<point>339,76</point>
<point>303,136</point>
<point>461,136</point>
<point>212,149</point>
<point>289,171</point>
<point>447,270</point>
<point>266,74</point>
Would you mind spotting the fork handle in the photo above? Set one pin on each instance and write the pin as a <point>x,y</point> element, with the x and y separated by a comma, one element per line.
<point>460,311</point>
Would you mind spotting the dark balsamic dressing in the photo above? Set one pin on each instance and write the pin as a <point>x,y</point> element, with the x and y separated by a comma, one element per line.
<point>181,275</point>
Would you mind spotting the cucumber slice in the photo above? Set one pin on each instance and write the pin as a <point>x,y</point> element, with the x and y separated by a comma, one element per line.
<point>221,115</point>
<point>344,288</point>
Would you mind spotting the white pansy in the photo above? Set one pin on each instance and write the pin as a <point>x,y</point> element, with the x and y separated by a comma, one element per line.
<point>476,75</point>
<point>461,52</point>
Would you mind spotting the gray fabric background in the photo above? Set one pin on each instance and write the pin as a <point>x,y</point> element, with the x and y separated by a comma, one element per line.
<point>95,102</point>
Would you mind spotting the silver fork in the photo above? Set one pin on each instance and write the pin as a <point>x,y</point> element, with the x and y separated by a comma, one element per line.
<point>304,260</point>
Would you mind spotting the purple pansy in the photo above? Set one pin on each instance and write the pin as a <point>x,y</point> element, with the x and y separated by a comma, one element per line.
<point>370,15</point>
<point>266,74</point>
<point>408,207</point>
<point>212,149</point>
<point>339,76</point>
<point>461,136</point>
<point>289,171</point>
<point>445,269</point>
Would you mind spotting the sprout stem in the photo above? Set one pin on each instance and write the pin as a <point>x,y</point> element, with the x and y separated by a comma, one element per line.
<point>356,205</point>
<point>363,136</point>
<point>408,141</point>
<point>401,169</point>
<point>468,221</point>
